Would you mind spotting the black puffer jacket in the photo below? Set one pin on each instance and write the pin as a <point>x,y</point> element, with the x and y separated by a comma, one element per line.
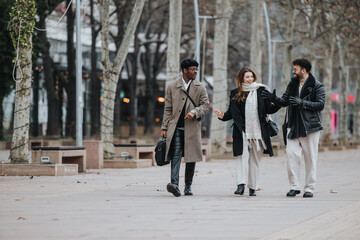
<point>305,119</point>
<point>236,111</point>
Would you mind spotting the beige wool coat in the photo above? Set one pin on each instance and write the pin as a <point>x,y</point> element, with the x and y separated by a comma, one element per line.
<point>175,98</point>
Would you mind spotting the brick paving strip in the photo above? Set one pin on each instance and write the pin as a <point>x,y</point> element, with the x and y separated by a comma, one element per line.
<point>340,223</point>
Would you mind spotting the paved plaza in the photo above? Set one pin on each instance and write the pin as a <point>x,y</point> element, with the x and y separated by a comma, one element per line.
<point>134,204</point>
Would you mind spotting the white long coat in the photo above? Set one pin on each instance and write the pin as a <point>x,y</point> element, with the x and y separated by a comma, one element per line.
<point>175,99</point>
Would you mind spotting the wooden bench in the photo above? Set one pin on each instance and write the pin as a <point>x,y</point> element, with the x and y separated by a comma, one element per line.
<point>136,151</point>
<point>61,155</point>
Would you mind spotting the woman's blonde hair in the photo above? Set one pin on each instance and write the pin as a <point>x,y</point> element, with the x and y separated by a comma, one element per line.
<point>239,80</point>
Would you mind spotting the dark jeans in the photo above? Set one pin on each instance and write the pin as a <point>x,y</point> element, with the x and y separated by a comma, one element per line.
<point>177,149</point>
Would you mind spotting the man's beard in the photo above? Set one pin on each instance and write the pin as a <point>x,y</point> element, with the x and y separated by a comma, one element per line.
<point>298,76</point>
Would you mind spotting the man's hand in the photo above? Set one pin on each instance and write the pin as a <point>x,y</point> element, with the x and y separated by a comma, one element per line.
<point>295,101</point>
<point>268,95</point>
<point>163,133</point>
<point>190,115</point>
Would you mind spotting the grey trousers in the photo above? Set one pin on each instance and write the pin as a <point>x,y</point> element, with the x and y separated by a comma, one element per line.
<point>177,150</point>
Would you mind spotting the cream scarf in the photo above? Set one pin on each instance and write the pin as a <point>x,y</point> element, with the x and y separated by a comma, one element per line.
<point>252,123</point>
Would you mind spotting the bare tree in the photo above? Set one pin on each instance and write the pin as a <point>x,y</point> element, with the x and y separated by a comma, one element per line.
<point>70,83</point>
<point>257,37</point>
<point>22,22</point>
<point>152,61</point>
<point>133,64</point>
<point>357,111</point>
<point>123,10</point>
<point>95,81</point>
<point>53,127</point>
<point>220,98</point>
<point>348,42</point>
<point>328,26</point>
<point>288,36</point>
<point>174,38</point>
<point>343,51</point>
<point>6,57</point>
<point>112,71</point>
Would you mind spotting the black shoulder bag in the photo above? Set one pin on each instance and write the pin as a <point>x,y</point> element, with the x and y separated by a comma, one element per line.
<point>284,127</point>
<point>160,152</point>
<point>273,129</point>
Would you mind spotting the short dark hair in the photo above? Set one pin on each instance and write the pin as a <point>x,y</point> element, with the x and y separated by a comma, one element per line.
<point>303,63</point>
<point>188,63</point>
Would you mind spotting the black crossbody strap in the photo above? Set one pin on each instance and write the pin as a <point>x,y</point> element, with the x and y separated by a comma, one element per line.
<point>190,99</point>
<point>187,94</point>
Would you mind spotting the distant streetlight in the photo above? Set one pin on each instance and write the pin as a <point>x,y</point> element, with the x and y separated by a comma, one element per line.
<point>160,99</point>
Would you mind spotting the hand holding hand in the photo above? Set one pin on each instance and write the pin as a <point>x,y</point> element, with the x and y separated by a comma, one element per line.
<point>295,101</point>
<point>268,95</point>
<point>219,114</point>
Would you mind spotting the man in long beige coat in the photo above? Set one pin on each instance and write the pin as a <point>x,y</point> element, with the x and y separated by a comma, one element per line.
<point>182,126</point>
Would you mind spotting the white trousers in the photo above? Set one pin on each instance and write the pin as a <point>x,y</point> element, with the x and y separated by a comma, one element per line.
<point>295,149</point>
<point>248,164</point>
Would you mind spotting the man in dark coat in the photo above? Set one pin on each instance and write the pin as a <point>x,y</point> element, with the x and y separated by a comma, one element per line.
<point>305,99</point>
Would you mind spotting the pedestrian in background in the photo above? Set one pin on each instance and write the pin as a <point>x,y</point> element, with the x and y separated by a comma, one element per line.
<point>251,136</point>
<point>305,99</point>
<point>186,100</point>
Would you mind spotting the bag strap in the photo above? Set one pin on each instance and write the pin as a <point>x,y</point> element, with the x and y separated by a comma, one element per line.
<point>190,99</point>
<point>187,94</point>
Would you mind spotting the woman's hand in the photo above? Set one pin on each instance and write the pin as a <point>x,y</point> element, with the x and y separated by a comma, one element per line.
<point>219,114</point>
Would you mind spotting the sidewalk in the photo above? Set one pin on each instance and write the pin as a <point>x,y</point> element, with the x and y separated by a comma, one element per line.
<point>134,204</point>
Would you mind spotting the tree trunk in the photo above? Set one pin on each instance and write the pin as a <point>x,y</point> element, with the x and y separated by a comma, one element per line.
<point>117,108</point>
<point>357,111</point>
<point>19,152</point>
<point>174,39</point>
<point>327,79</point>
<point>257,37</point>
<point>152,62</point>
<point>286,66</point>
<point>35,110</point>
<point>71,78</point>
<point>343,81</point>
<point>95,81</point>
<point>220,97</point>
<point>285,76</point>
<point>133,87</point>
<point>53,128</point>
<point>149,91</point>
<point>112,72</point>
<point>2,134</point>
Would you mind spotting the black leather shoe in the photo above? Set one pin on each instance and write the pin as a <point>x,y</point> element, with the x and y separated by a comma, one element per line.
<point>293,193</point>
<point>252,192</point>
<point>187,191</point>
<point>240,189</point>
<point>308,195</point>
<point>172,188</point>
